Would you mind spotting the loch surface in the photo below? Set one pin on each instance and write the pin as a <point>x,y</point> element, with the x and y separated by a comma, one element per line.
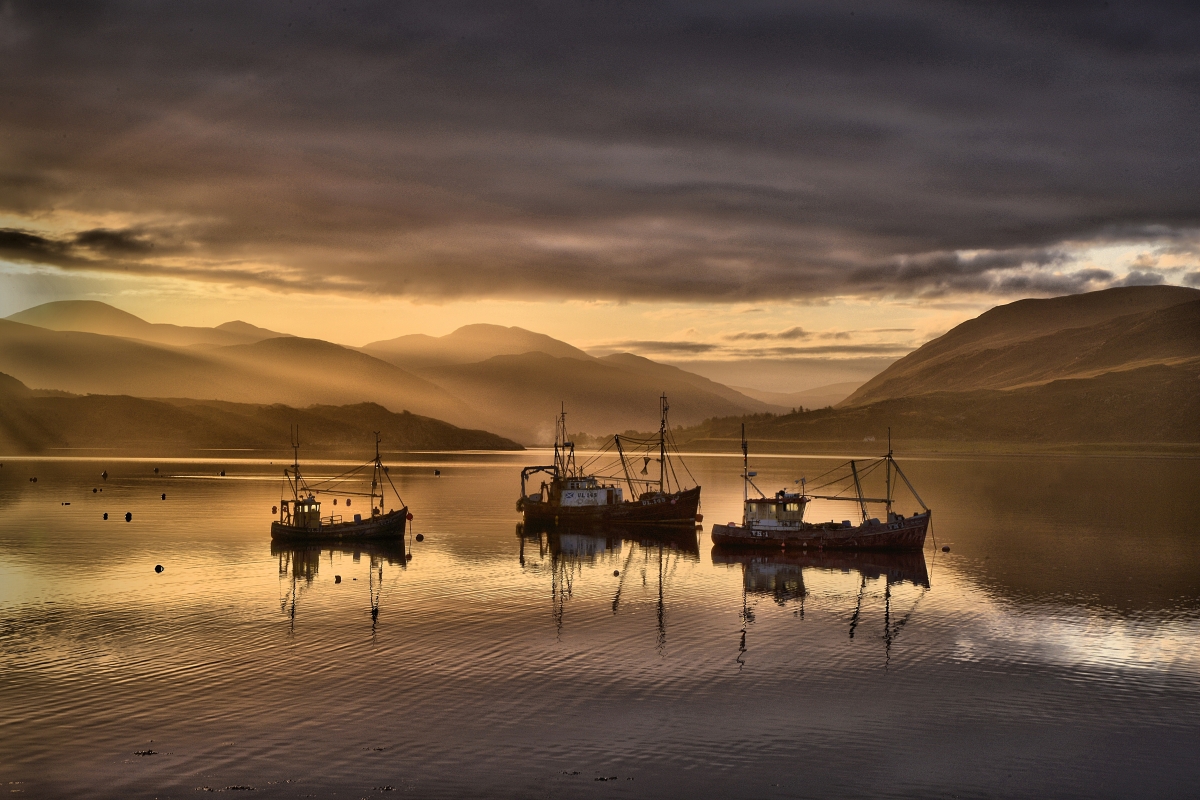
<point>1054,651</point>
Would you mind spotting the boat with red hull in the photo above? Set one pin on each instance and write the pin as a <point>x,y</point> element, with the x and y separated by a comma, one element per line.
<point>576,496</point>
<point>778,521</point>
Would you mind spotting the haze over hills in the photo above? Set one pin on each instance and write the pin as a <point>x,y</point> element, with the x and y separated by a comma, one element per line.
<point>817,397</point>
<point>32,422</point>
<point>1031,342</point>
<point>469,344</point>
<point>91,316</point>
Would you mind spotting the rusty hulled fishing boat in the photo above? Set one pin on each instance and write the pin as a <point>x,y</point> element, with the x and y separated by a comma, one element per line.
<point>300,517</point>
<point>778,521</point>
<point>575,495</point>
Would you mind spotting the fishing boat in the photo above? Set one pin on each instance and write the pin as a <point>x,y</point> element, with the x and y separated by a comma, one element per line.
<point>300,518</point>
<point>577,495</point>
<point>778,521</point>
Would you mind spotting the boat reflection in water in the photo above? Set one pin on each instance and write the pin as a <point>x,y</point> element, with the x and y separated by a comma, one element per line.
<point>653,554</point>
<point>299,564</point>
<point>779,574</point>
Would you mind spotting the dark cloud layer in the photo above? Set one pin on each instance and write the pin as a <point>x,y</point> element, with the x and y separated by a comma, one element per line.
<point>619,150</point>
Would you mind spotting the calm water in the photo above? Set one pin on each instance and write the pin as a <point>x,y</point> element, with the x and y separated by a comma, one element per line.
<point>1054,652</point>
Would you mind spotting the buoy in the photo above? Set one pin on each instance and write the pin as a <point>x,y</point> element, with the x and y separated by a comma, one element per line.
<point>156,470</point>
<point>945,548</point>
<point>616,573</point>
<point>437,473</point>
<point>222,473</point>
<point>335,501</point>
<point>337,578</point>
<point>129,516</point>
<point>93,490</point>
<point>274,510</point>
<point>408,516</point>
<point>104,475</point>
<point>408,556</point>
<point>420,537</point>
<point>158,567</point>
<point>106,515</point>
<point>347,501</point>
<point>164,497</point>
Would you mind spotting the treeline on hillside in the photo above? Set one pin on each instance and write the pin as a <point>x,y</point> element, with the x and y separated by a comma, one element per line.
<point>35,422</point>
<point>1157,404</point>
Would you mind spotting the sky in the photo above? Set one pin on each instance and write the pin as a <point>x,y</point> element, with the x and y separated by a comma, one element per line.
<point>801,192</point>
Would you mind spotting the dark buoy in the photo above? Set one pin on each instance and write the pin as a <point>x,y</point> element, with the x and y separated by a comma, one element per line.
<point>337,578</point>
<point>335,501</point>
<point>408,556</point>
<point>156,470</point>
<point>274,510</point>
<point>222,473</point>
<point>164,497</point>
<point>420,537</point>
<point>129,516</point>
<point>104,475</point>
<point>347,501</point>
<point>158,567</point>
<point>437,473</point>
<point>945,548</point>
<point>616,573</point>
<point>106,515</point>
<point>93,490</point>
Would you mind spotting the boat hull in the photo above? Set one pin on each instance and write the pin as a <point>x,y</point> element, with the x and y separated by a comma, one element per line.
<point>386,526</point>
<point>676,509</point>
<point>906,534</point>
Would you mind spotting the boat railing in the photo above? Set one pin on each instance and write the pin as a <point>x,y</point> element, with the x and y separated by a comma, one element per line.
<point>332,520</point>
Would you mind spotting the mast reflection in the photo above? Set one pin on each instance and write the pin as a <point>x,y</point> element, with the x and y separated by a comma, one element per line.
<point>779,574</point>
<point>299,565</point>
<point>565,555</point>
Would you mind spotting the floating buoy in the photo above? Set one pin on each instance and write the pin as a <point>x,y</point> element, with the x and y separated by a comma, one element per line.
<point>420,537</point>
<point>164,497</point>
<point>93,490</point>
<point>104,475</point>
<point>945,548</point>
<point>335,501</point>
<point>408,516</point>
<point>437,473</point>
<point>66,504</point>
<point>129,516</point>
<point>274,510</point>
<point>347,501</point>
<point>616,573</point>
<point>156,470</point>
<point>408,556</point>
<point>337,578</point>
<point>106,515</point>
<point>158,567</point>
<point>222,473</point>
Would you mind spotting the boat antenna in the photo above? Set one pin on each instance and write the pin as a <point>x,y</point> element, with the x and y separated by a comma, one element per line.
<point>745,467</point>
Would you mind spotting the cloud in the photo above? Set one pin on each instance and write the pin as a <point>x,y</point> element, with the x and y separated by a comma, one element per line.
<point>759,336</point>
<point>658,347</point>
<point>1138,278</point>
<point>732,152</point>
<point>1192,279</point>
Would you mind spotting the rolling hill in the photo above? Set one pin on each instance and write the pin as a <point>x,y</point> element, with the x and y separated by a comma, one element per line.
<point>91,316</point>
<point>469,344</point>
<point>1032,342</point>
<point>32,422</point>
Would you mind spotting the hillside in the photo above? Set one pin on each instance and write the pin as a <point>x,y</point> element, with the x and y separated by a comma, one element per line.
<point>519,395</point>
<point>818,397</point>
<point>1032,342</point>
<point>30,423</point>
<point>91,316</point>
<point>1154,404</point>
<point>280,370</point>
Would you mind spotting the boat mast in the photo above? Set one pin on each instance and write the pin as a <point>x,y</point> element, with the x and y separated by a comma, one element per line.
<point>662,444</point>
<point>888,469</point>
<point>745,468</point>
<point>564,459</point>
<point>377,476</point>
<point>862,504</point>
<point>295,478</point>
<point>633,495</point>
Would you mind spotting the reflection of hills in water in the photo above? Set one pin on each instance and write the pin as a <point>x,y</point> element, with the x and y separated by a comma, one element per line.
<point>299,565</point>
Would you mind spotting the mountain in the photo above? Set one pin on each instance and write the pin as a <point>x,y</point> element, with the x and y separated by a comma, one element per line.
<point>519,395</point>
<point>281,370</point>
<point>819,397</point>
<point>33,424</point>
<point>91,316</point>
<point>1032,342</point>
<point>468,344</point>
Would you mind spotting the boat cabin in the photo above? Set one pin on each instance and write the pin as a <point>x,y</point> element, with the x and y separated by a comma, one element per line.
<point>305,513</point>
<point>782,510</point>
<point>587,491</point>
